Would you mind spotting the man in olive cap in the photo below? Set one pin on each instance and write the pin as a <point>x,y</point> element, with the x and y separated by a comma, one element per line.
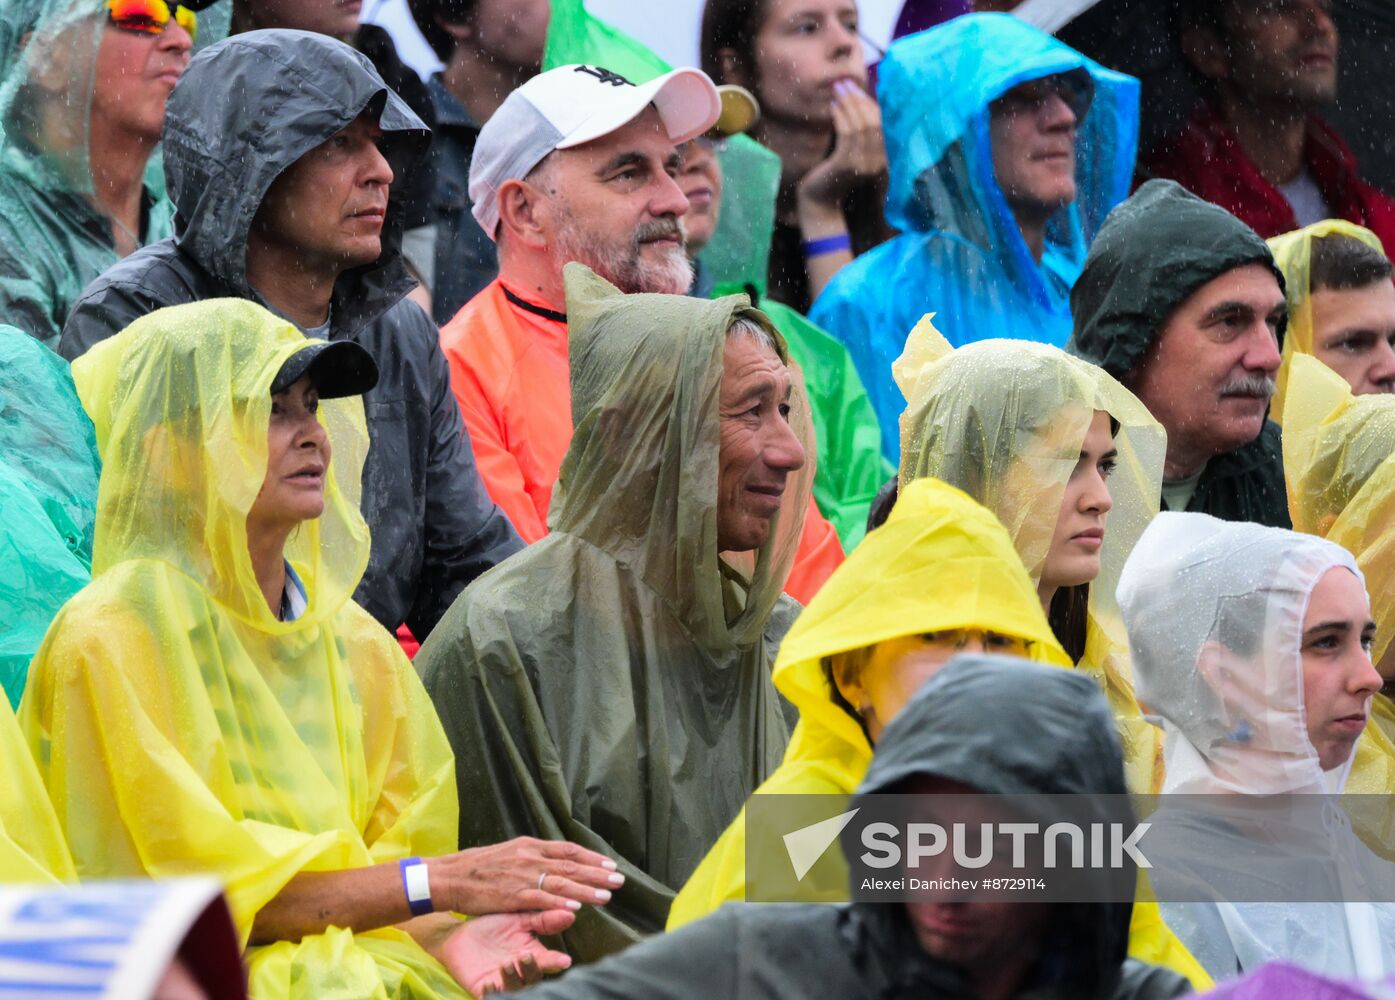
<point>1183,303</point>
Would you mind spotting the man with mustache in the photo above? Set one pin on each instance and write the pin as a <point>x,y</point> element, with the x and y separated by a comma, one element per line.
<point>1183,303</point>
<point>281,149</point>
<point>1256,145</point>
<point>578,164</point>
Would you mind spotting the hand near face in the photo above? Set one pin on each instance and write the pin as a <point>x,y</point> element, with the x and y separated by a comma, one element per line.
<point>859,154</point>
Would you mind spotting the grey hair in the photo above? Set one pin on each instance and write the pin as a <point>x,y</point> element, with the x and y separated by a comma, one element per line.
<point>749,329</point>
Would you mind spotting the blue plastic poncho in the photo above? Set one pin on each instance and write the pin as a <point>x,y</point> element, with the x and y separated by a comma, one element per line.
<point>961,254</point>
<point>48,498</point>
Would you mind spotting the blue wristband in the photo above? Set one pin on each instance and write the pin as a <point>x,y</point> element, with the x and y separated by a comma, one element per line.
<point>416,886</point>
<point>829,244</point>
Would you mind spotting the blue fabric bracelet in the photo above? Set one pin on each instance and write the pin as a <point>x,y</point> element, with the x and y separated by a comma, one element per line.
<point>829,244</point>
<point>415,885</point>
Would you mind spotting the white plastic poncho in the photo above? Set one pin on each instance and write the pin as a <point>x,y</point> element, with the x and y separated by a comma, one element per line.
<point>1194,590</point>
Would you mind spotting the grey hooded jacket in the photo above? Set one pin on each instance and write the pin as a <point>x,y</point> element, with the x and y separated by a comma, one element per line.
<point>244,111</point>
<point>997,724</point>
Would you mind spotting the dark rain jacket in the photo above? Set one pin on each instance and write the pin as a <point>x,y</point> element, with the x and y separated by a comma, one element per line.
<point>995,724</point>
<point>1154,251</point>
<point>246,109</point>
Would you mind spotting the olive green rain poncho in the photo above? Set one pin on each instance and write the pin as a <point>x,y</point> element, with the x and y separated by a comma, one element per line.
<point>610,685</point>
<point>1152,253</point>
<point>182,728</point>
<point>54,239</point>
<point>1004,420</point>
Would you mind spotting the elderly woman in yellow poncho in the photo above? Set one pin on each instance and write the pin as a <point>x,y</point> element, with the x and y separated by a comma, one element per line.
<point>1339,460</point>
<point>1341,306</point>
<point>939,577</point>
<point>215,702</point>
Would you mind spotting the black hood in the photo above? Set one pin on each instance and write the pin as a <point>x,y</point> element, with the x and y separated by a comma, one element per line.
<point>1153,251</point>
<point>245,110</point>
<point>1009,727</point>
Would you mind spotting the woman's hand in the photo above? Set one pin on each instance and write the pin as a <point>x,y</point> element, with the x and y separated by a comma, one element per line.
<point>858,153</point>
<point>522,874</point>
<point>502,952</point>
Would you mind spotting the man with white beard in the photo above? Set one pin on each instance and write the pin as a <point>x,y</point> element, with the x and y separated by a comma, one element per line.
<point>578,164</point>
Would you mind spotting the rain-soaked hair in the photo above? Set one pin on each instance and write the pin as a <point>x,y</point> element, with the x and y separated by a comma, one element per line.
<point>1341,263</point>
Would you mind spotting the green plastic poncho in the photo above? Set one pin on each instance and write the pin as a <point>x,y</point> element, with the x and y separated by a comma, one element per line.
<point>1293,255</point>
<point>1004,420</point>
<point>851,468</point>
<point>610,685</point>
<point>53,238</point>
<point>48,498</point>
<point>180,727</point>
<point>1152,253</point>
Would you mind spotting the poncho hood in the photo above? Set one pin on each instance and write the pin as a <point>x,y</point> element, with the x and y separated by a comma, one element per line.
<point>1293,255</point>
<point>1005,421</point>
<point>1153,251</point>
<point>941,561</point>
<point>1340,463</point>
<point>1233,594</point>
<point>48,51</point>
<point>939,152</point>
<point>279,93</point>
<point>639,480</point>
<point>1007,727</point>
<point>181,401</point>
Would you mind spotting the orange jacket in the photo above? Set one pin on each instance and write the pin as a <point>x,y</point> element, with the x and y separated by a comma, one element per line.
<point>508,369</point>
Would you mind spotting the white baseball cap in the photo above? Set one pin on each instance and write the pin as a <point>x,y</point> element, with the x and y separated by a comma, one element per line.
<point>571,105</point>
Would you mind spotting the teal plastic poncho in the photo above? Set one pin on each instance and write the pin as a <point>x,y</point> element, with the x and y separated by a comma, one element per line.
<point>53,238</point>
<point>848,439</point>
<point>961,254</point>
<point>48,498</point>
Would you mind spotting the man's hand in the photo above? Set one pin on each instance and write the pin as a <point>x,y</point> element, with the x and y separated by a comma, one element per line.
<point>522,874</point>
<point>502,952</point>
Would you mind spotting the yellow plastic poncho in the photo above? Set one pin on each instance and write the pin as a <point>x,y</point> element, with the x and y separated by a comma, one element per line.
<point>1339,460</point>
<point>940,561</point>
<point>1293,255</point>
<point>1004,420</point>
<point>32,848</point>
<point>181,728</point>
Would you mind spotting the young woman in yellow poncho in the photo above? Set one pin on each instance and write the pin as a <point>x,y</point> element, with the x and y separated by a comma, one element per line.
<point>1339,461</point>
<point>1341,306</point>
<point>939,577</point>
<point>214,701</point>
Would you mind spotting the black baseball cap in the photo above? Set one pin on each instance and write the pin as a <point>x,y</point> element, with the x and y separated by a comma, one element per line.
<point>336,368</point>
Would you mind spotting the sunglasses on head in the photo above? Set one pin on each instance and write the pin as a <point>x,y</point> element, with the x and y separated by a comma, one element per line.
<point>150,17</point>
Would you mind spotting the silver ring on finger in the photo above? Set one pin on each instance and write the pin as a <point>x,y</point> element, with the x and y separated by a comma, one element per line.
<point>540,881</point>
